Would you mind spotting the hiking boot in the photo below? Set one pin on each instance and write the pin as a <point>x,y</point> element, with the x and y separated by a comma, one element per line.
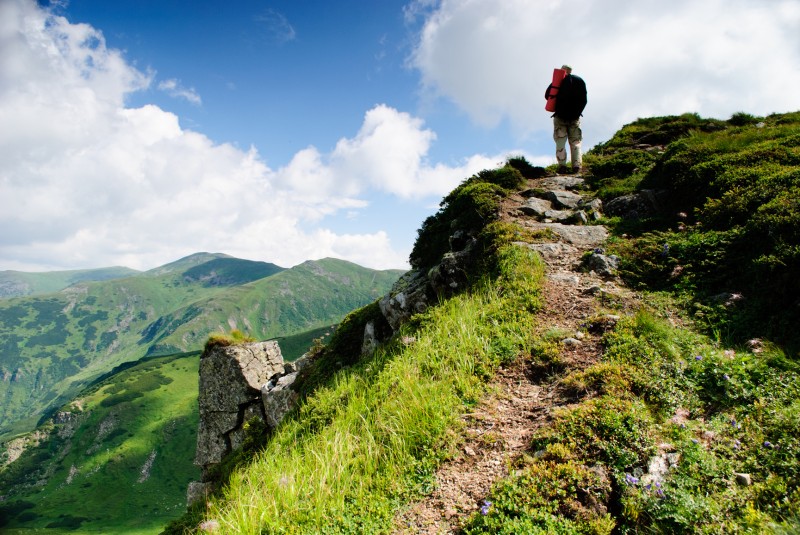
<point>577,169</point>
<point>562,169</point>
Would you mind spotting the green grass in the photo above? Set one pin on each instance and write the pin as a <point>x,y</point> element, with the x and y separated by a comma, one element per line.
<point>729,221</point>
<point>149,408</point>
<point>371,439</point>
<point>739,415</point>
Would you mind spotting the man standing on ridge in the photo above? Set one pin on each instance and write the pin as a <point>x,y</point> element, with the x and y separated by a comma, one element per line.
<point>570,102</point>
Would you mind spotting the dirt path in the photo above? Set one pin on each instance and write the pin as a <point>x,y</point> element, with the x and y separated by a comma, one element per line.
<point>520,399</point>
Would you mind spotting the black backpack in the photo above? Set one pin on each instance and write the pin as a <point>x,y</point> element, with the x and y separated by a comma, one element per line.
<point>571,99</point>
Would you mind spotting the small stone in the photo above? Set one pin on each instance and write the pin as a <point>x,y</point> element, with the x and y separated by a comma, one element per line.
<point>571,342</point>
<point>743,479</point>
<point>469,451</point>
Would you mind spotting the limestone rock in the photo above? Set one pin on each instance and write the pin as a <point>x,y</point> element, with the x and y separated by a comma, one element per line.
<point>564,199</point>
<point>636,205</point>
<point>230,383</point>
<point>583,236</point>
<point>603,265</point>
<point>278,399</point>
<point>408,296</point>
<point>536,207</point>
<point>563,182</point>
<point>559,216</point>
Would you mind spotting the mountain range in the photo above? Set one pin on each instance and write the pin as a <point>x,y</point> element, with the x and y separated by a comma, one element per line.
<point>72,327</point>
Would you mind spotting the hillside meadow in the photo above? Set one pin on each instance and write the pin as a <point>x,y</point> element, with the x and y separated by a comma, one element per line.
<point>709,384</point>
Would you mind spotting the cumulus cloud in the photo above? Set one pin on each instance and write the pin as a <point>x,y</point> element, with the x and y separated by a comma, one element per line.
<point>86,181</point>
<point>493,58</point>
<point>174,89</point>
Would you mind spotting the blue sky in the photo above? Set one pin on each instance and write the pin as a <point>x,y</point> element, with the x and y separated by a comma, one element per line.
<point>135,132</point>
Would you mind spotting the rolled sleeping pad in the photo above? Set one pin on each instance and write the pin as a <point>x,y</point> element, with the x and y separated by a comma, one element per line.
<point>558,76</point>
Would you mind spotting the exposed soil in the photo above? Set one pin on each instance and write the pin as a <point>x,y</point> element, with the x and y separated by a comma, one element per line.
<point>520,397</point>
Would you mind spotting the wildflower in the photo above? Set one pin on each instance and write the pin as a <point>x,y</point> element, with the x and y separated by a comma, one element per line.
<point>767,444</point>
<point>485,507</point>
<point>698,357</point>
<point>599,250</point>
<point>736,444</point>
<point>665,250</point>
<point>726,377</point>
<point>630,480</point>
<point>695,441</point>
<point>660,493</point>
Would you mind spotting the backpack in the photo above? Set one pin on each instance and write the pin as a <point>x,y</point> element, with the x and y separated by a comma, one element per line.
<point>571,99</point>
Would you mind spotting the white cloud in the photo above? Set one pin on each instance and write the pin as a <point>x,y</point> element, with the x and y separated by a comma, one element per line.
<point>493,58</point>
<point>174,89</point>
<point>277,26</point>
<point>86,181</point>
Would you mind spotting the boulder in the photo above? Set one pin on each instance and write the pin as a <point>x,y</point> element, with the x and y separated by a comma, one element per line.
<point>230,394</point>
<point>603,265</point>
<point>564,199</point>
<point>408,296</point>
<point>636,205</point>
<point>582,236</point>
<point>536,207</point>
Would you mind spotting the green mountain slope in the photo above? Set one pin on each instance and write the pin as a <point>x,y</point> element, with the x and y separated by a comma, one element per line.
<point>140,421</point>
<point>672,426</point>
<point>130,438</point>
<point>19,283</point>
<point>119,457</point>
<point>53,344</point>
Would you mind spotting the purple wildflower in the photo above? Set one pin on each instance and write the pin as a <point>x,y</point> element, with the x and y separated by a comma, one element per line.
<point>767,444</point>
<point>736,444</point>
<point>485,507</point>
<point>726,377</point>
<point>631,480</point>
<point>660,493</point>
<point>699,357</point>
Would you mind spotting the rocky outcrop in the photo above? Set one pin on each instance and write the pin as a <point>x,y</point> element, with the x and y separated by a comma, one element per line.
<point>415,290</point>
<point>644,203</point>
<point>239,383</point>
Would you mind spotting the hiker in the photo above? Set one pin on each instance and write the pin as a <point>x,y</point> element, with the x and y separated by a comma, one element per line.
<point>570,102</point>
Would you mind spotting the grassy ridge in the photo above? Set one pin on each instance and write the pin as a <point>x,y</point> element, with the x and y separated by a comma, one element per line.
<point>19,283</point>
<point>721,413</point>
<point>720,417</point>
<point>727,242</point>
<point>371,439</point>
